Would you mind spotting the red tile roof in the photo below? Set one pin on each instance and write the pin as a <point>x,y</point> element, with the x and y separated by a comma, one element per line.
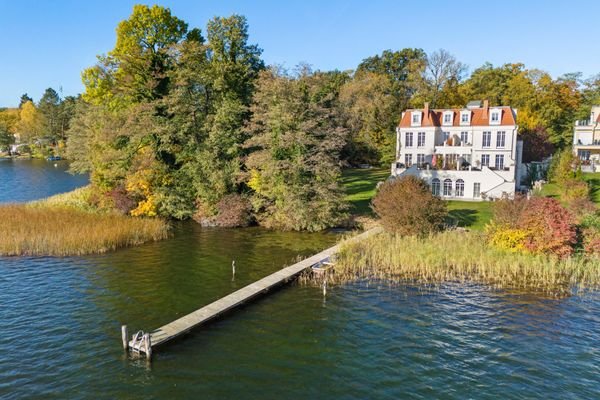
<point>479,117</point>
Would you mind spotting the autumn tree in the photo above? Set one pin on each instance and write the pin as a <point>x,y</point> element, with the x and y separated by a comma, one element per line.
<point>295,141</point>
<point>371,113</point>
<point>31,123</point>
<point>8,123</point>
<point>136,69</point>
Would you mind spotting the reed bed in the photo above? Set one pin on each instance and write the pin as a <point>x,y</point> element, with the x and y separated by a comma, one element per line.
<point>39,229</point>
<point>78,199</point>
<point>457,256</point>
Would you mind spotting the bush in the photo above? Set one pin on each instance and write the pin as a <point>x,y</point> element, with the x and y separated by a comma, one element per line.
<point>574,189</point>
<point>550,227</point>
<point>234,211</point>
<point>507,212</point>
<point>120,200</point>
<point>590,235</point>
<point>540,225</point>
<point>564,166</point>
<point>581,208</point>
<point>406,206</point>
<point>506,238</point>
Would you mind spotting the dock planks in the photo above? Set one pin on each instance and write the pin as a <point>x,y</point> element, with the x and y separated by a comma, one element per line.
<point>199,317</point>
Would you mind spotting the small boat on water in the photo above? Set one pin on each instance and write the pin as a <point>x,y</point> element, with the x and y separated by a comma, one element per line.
<point>54,158</point>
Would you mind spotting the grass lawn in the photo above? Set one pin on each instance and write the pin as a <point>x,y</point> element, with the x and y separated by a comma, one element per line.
<point>593,179</point>
<point>360,187</point>
<point>470,214</point>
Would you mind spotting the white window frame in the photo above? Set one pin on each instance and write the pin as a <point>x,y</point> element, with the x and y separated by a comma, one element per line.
<point>459,188</point>
<point>420,159</point>
<point>415,118</point>
<point>499,165</point>
<point>420,135</point>
<point>486,157</point>
<point>464,137</point>
<point>447,184</point>
<point>447,118</point>
<point>408,160</point>
<point>476,190</point>
<point>488,135</point>
<point>466,121</point>
<point>435,186</point>
<point>408,135</point>
<point>495,116</point>
<point>500,144</point>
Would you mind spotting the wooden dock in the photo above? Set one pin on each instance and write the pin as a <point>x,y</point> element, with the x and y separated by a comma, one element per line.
<point>144,343</point>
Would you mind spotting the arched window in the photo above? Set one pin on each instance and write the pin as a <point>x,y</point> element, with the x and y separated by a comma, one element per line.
<point>460,188</point>
<point>447,187</point>
<point>435,186</point>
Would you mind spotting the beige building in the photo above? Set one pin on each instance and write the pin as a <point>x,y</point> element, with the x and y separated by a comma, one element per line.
<point>470,153</point>
<point>586,141</point>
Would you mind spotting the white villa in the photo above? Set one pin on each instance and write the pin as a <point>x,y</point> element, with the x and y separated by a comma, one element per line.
<point>470,153</point>
<point>586,141</point>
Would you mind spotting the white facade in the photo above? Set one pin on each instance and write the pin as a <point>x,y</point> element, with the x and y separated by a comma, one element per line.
<point>586,141</point>
<point>466,154</point>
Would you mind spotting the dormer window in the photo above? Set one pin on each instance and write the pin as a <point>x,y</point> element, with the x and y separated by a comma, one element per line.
<point>495,117</point>
<point>416,118</point>
<point>465,117</point>
<point>447,119</point>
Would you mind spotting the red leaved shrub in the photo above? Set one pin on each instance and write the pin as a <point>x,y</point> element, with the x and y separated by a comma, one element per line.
<point>551,227</point>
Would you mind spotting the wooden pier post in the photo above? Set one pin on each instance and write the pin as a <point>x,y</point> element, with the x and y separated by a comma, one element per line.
<point>125,337</point>
<point>148,346</point>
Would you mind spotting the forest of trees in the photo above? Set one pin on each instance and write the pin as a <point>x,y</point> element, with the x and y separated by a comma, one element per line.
<point>185,123</point>
<point>44,124</point>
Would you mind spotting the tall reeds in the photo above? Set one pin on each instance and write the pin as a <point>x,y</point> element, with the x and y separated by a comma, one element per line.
<point>459,256</point>
<point>42,229</point>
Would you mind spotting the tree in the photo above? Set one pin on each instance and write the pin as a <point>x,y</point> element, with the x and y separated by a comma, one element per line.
<point>372,114</point>
<point>406,206</point>
<point>49,108</point>
<point>442,69</point>
<point>30,125</point>
<point>295,141</point>
<point>24,99</point>
<point>136,69</point>
<point>402,69</point>
<point>536,144</point>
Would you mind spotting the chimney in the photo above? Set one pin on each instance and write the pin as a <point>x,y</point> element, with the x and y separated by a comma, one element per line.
<point>425,111</point>
<point>486,106</point>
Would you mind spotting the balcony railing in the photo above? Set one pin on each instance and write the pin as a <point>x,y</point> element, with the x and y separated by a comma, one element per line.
<point>594,143</point>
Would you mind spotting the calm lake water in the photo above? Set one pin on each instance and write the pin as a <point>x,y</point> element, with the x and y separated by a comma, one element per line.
<point>60,325</point>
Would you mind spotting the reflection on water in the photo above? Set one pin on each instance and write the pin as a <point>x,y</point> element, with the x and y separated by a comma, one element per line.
<point>60,330</point>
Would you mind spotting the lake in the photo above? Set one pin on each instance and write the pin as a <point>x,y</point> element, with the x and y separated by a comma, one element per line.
<point>61,317</point>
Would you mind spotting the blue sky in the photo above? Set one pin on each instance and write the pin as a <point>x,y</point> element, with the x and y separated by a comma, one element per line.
<point>48,43</point>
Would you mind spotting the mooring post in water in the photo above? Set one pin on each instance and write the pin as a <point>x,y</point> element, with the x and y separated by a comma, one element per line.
<point>124,337</point>
<point>233,270</point>
<point>148,346</point>
<point>325,287</point>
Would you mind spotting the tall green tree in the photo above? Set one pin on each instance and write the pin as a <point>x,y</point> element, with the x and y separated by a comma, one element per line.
<point>24,99</point>
<point>136,69</point>
<point>295,143</point>
<point>49,108</point>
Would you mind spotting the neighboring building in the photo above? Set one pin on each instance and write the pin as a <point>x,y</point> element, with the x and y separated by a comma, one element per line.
<point>469,154</point>
<point>586,141</point>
